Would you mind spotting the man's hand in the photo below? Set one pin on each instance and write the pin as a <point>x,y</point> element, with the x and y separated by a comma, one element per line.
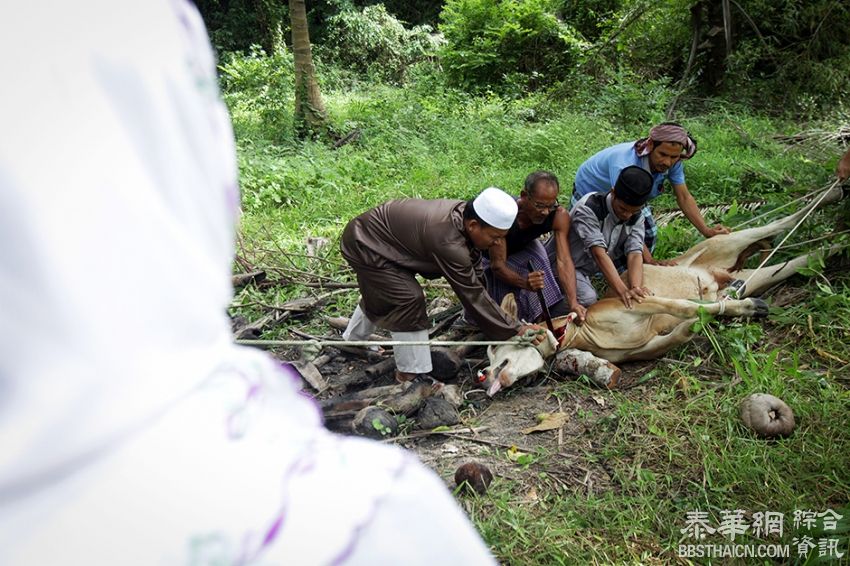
<point>535,281</point>
<point>534,332</point>
<point>581,312</point>
<point>641,291</point>
<point>843,167</point>
<point>635,294</point>
<point>716,230</point>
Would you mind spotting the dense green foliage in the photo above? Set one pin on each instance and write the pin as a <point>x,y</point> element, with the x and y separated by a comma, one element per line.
<point>374,43</point>
<point>493,42</point>
<point>789,56</point>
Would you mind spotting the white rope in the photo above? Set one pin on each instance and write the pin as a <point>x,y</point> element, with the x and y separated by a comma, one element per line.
<point>788,235</point>
<point>366,343</point>
<point>781,206</point>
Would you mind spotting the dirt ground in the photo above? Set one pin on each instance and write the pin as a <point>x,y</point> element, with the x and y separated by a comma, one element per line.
<point>491,430</point>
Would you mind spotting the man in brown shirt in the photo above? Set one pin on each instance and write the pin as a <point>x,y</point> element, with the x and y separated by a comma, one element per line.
<point>389,245</point>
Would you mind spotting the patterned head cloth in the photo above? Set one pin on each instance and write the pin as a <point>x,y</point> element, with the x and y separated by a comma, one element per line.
<point>668,132</point>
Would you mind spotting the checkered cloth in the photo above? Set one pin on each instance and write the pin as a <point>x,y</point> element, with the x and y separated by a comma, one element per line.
<point>528,304</point>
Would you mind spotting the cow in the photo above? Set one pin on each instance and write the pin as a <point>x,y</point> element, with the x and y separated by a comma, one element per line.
<point>708,276</point>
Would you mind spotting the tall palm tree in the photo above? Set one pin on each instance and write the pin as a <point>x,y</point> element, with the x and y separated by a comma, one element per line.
<point>310,115</point>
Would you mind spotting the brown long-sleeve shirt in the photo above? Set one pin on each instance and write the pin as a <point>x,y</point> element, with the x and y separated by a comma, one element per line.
<point>425,237</point>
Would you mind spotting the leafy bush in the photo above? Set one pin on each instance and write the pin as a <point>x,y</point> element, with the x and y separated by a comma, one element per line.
<point>236,25</point>
<point>491,43</point>
<point>591,18</point>
<point>624,97</point>
<point>373,42</point>
<point>260,86</point>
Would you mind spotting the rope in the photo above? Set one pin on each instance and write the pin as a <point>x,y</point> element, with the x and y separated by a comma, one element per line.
<point>788,235</point>
<point>366,343</point>
<point>781,206</point>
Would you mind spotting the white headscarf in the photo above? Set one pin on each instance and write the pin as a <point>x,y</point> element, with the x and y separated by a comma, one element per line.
<point>132,429</point>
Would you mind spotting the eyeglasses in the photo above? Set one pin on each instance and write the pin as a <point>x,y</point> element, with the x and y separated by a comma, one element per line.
<point>541,206</point>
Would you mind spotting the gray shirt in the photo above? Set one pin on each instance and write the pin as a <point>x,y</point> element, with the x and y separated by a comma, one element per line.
<point>617,237</point>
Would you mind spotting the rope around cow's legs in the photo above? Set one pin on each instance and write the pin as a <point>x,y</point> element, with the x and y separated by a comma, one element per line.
<point>788,235</point>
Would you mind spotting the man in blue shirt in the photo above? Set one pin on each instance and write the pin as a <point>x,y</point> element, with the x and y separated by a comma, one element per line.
<point>662,154</point>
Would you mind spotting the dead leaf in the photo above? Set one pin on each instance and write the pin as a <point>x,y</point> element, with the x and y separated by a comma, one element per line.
<point>824,354</point>
<point>531,495</point>
<point>547,421</point>
<point>599,399</point>
<point>449,448</point>
<point>311,374</point>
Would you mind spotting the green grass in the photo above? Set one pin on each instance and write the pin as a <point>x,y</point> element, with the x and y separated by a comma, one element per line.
<point>671,446</point>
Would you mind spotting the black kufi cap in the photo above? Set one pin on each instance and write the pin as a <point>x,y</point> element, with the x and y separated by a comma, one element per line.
<point>633,185</point>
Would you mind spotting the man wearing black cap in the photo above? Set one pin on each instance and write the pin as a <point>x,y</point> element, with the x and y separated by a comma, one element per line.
<point>663,154</point>
<point>607,227</point>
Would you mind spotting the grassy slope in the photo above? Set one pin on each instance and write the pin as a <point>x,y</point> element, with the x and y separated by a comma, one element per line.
<point>677,449</point>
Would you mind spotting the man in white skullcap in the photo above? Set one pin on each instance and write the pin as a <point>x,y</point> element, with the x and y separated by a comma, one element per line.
<point>133,431</point>
<point>389,245</point>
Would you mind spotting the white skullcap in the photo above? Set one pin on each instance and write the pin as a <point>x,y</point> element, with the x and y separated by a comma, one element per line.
<point>495,207</point>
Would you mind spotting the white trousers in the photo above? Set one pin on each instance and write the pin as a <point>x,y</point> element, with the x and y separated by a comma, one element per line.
<point>408,359</point>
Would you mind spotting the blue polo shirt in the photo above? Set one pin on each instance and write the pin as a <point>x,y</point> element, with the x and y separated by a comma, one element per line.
<point>599,173</point>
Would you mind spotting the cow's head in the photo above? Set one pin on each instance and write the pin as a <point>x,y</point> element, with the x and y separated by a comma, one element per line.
<point>509,362</point>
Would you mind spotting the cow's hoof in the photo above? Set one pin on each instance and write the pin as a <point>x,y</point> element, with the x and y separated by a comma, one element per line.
<point>767,416</point>
<point>737,289</point>
<point>762,310</point>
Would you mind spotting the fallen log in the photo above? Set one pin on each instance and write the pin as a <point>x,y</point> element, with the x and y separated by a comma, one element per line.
<point>243,279</point>
<point>369,355</point>
<point>578,362</point>
<point>255,329</point>
<point>372,394</point>
<point>381,368</point>
<point>401,399</point>
<point>281,313</point>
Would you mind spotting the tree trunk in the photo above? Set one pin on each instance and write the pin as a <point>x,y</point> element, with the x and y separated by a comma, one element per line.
<point>310,115</point>
<point>718,39</point>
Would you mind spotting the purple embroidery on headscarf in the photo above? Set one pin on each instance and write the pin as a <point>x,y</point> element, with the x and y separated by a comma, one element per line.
<point>291,372</point>
<point>272,533</point>
<point>302,465</point>
<point>235,428</point>
<point>361,527</point>
<point>232,194</point>
<point>180,6</point>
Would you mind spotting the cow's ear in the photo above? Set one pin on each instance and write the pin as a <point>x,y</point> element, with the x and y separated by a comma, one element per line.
<point>509,305</point>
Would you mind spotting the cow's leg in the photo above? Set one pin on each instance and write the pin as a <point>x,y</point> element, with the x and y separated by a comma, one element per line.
<point>682,308</point>
<point>758,281</point>
<point>769,275</point>
<point>723,251</point>
<point>780,225</point>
